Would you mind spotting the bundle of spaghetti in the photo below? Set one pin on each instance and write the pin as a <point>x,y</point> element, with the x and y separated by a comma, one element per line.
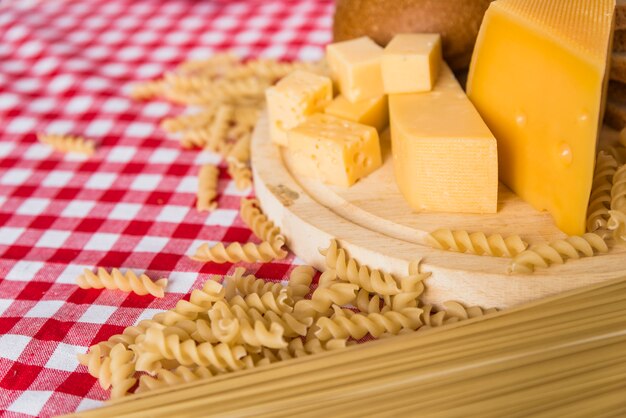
<point>554,357</point>
<point>347,268</point>
<point>476,243</point>
<point>68,143</point>
<point>557,252</point>
<point>236,252</point>
<point>600,199</point>
<point>126,282</point>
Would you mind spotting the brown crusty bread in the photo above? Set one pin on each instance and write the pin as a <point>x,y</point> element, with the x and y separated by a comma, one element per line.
<point>617,92</point>
<point>619,41</point>
<point>457,21</point>
<point>615,115</point>
<point>618,66</point>
<point>620,15</point>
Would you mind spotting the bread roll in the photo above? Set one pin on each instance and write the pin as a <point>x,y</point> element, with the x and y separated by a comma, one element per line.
<point>457,21</point>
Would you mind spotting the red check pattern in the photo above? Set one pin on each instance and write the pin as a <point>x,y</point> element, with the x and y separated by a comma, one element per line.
<point>66,67</point>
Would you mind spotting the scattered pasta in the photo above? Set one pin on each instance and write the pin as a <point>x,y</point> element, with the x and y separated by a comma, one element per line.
<point>600,200</point>
<point>557,252</point>
<point>476,243</point>
<point>236,252</point>
<point>68,143</point>
<point>207,187</point>
<point>127,282</point>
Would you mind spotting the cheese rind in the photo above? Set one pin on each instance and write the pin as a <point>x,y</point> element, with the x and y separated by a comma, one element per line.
<point>537,78</point>
<point>356,64</point>
<point>292,99</point>
<point>445,158</point>
<point>334,150</point>
<point>411,62</point>
<point>370,112</point>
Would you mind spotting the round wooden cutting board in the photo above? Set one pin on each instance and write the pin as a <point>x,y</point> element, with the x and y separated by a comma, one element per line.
<point>375,225</point>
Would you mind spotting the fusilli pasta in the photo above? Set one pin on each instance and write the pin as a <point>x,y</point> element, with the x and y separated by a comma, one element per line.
<point>166,378</point>
<point>236,252</point>
<point>127,282</point>
<point>241,174</point>
<point>476,243</point>
<point>68,143</point>
<point>600,200</point>
<point>347,269</point>
<point>557,252</point>
<point>257,221</point>
<point>299,284</point>
<point>207,187</point>
<point>357,325</point>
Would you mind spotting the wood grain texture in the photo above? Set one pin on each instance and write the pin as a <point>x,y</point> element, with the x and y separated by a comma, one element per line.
<point>374,224</point>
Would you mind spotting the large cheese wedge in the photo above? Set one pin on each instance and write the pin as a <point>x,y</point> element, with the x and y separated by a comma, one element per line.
<point>537,78</point>
<point>445,158</point>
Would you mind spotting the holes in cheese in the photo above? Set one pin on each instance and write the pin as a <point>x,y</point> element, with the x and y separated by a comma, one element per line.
<point>537,78</point>
<point>334,150</point>
<point>292,99</point>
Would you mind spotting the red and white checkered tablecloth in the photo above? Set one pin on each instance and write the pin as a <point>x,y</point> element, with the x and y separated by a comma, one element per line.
<point>66,67</point>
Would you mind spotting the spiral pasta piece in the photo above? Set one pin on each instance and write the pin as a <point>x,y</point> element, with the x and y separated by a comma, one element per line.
<point>249,284</point>
<point>254,334</point>
<point>476,243</point>
<point>347,269</point>
<point>240,152</point>
<point>258,222</point>
<point>241,174</point>
<point>297,348</point>
<point>94,362</point>
<point>375,324</point>
<point>126,282</point>
<point>147,90</point>
<point>187,353</point>
<point>300,279</point>
<point>617,224</point>
<point>219,127</point>
<point>618,190</point>
<point>187,122</point>
<point>122,371</point>
<point>324,297</point>
<point>207,187</point>
<point>557,252</point>
<point>68,143</point>
<point>236,252</point>
<point>279,303</point>
<point>166,378</point>
<point>600,199</point>
<point>199,302</point>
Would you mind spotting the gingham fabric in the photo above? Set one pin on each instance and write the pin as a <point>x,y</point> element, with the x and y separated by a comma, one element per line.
<point>66,67</point>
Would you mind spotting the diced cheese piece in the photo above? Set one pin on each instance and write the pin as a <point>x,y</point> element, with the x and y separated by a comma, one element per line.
<point>445,158</point>
<point>370,112</point>
<point>411,63</point>
<point>537,78</point>
<point>292,99</point>
<point>334,150</point>
<point>356,66</point>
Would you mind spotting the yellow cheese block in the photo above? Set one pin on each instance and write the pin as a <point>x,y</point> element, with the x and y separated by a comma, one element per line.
<point>334,150</point>
<point>370,112</point>
<point>445,158</point>
<point>356,64</point>
<point>537,78</point>
<point>411,62</point>
<point>292,99</point>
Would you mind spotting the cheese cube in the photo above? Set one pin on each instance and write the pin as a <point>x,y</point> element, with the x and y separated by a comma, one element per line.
<point>445,158</point>
<point>334,150</point>
<point>411,63</point>
<point>370,112</point>
<point>537,78</point>
<point>292,99</point>
<point>356,66</point>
